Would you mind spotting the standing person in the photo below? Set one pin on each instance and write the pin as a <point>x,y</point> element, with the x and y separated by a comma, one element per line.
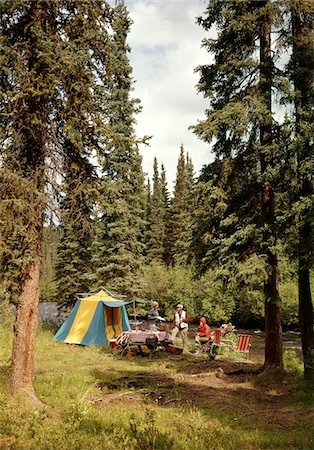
<point>180,325</point>
<point>203,332</point>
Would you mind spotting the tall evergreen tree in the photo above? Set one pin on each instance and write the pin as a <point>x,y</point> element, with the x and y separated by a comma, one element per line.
<point>299,168</point>
<point>119,247</point>
<point>181,210</point>
<point>240,119</point>
<point>166,215</point>
<point>74,250</point>
<point>156,223</point>
<point>52,78</point>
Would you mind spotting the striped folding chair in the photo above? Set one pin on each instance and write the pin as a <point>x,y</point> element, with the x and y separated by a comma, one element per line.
<point>244,344</point>
<point>215,345</point>
<point>122,343</point>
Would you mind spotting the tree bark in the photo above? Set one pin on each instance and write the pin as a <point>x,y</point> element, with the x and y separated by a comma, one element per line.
<point>273,331</point>
<point>306,321</point>
<point>303,79</point>
<point>25,326</point>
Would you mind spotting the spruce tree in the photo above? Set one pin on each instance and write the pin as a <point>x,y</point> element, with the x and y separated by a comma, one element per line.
<point>181,210</point>
<point>303,70</point>
<point>166,215</point>
<point>119,247</point>
<point>52,81</point>
<point>156,224</point>
<point>299,167</point>
<point>147,217</point>
<point>242,181</point>
<point>74,256</point>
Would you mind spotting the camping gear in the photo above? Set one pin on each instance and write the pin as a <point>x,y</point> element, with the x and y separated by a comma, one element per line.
<point>243,345</point>
<point>94,320</point>
<point>174,350</point>
<point>216,343</point>
<point>152,342</point>
<point>113,343</point>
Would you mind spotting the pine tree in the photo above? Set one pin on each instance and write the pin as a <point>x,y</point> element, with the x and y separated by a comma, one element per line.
<point>303,65</point>
<point>184,256</point>
<point>166,215</point>
<point>119,247</point>
<point>242,184</point>
<point>298,221</point>
<point>53,77</point>
<point>74,256</point>
<point>181,210</point>
<point>156,223</point>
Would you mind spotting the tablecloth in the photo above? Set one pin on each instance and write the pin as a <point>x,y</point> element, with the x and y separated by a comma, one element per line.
<point>140,336</point>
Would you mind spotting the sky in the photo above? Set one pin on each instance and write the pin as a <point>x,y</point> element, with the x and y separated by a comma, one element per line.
<point>165,43</point>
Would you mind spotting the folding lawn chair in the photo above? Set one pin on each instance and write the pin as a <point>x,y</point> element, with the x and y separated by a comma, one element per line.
<point>122,344</point>
<point>244,344</point>
<point>215,345</point>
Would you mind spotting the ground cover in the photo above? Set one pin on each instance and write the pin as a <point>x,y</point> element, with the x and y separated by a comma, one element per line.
<point>96,399</point>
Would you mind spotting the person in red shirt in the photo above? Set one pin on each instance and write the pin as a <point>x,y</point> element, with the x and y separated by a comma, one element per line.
<point>203,332</point>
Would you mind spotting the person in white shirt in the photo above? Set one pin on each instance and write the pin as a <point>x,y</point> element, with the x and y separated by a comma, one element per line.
<point>180,325</point>
<point>155,320</point>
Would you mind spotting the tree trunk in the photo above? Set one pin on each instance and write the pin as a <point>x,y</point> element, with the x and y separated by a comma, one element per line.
<point>303,78</point>
<point>22,367</point>
<point>273,331</point>
<point>306,321</point>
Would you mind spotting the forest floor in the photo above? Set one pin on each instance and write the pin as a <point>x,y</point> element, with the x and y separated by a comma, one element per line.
<point>220,386</point>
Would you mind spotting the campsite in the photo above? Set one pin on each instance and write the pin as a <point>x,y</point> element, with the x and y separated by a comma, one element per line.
<point>96,399</point>
<point>156,197</point>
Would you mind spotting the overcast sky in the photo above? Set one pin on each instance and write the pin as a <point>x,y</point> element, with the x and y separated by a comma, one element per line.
<point>165,49</point>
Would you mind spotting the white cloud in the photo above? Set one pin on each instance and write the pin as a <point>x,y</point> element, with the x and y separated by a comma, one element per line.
<point>165,46</point>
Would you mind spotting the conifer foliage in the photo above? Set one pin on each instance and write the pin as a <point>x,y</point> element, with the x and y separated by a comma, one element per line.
<point>53,79</point>
<point>298,184</point>
<point>242,183</point>
<point>182,206</point>
<point>156,225</point>
<point>118,249</point>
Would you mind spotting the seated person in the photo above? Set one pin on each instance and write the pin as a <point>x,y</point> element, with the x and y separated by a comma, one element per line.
<point>154,317</point>
<point>203,334</point>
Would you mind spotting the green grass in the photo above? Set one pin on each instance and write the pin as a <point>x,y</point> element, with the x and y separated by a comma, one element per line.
<point>166,412</point>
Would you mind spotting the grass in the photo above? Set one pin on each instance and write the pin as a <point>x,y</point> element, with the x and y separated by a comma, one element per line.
<point>98,400</point>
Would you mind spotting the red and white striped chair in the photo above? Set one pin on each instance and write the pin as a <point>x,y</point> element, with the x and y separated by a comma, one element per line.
<point>244,344</point>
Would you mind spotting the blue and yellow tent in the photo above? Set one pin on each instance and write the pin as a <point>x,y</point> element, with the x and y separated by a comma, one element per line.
<point>94,320</point>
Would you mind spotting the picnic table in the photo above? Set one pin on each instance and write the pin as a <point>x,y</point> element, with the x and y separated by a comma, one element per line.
<point>143,340</point>
<point>139,337</point>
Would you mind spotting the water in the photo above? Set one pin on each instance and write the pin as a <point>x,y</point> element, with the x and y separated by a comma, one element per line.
<point>291,340</point>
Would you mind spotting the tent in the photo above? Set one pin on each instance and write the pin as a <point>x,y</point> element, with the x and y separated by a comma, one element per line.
<point>94,320</point>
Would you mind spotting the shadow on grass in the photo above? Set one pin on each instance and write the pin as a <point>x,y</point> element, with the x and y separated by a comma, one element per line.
<point>190,382</point>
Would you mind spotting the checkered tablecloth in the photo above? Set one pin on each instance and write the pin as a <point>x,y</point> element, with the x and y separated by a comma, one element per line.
<point>140,336</point>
